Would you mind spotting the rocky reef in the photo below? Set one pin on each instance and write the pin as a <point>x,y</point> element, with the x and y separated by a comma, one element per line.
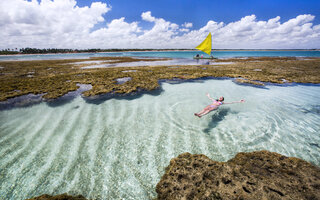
<point>58,197</point>
<point>254,175</point>
<point>55,78</point>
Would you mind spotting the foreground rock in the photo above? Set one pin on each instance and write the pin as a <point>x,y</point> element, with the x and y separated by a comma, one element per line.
<point>255,175</point>
<point>58,197</point>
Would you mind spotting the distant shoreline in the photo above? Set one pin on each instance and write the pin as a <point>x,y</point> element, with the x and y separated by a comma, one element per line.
<point>159,50</point>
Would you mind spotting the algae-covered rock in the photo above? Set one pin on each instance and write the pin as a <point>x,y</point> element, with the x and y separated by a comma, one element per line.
<point>55,78</point>
<point>58,197</point>
<point>255,175</point>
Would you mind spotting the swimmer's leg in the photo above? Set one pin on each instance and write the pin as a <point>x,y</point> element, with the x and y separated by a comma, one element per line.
<point>204,113</point>
<point>199,114</point>
<point>207,111</point>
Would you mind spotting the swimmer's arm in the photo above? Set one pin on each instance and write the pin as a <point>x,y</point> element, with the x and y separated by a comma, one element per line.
<point>241,101</point>
<point>212,99</point>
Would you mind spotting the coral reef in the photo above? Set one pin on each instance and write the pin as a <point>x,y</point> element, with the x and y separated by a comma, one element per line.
<point>54,78</point>
<point>245,81</point>
<point>255,175</point>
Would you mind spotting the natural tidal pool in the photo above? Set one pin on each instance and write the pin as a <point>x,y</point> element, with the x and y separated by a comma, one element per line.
<point>119,148</point>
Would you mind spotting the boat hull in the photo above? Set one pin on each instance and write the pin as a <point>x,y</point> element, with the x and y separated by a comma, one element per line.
<point>207,58</point>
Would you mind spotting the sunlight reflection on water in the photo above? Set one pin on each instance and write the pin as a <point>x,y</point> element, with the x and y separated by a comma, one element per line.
<point>119,148</point>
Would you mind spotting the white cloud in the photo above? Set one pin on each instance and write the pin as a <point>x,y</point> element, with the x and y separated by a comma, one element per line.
<point>187,24</point>
<point>46,23</point>
<point>117,33</point>
<point>184,30</point>
<point>147,16</point>
<point>186,27</point>
<point>161,33</point>
<point>63,24</point>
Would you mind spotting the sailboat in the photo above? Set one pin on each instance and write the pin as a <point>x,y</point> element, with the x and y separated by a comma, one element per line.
<point>205,46</point>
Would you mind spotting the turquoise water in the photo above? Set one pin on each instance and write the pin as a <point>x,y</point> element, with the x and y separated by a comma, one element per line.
<point>225,54</point>
<point>166,54</point>
<point>119,148</point>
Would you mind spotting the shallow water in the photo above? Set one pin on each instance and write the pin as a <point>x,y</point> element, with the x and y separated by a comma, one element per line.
<point>157,63</point>
<point>164,54</point>
<point>118,149</point>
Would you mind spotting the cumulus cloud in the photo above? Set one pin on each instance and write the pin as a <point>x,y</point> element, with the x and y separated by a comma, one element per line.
<point>186,27</point>
<point>184,30</point>
<point>187,24</point>
<point>46,23</point>
<point>162,32</point>
<point>63,24</point>
<point>147,16</point>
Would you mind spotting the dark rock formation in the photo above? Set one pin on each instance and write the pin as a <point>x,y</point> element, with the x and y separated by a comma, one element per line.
<point>58,197</point>
<point>255,175</point>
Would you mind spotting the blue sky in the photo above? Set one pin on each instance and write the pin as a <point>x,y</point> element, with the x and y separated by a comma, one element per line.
<point>200,11</point>
<point>234,24</point>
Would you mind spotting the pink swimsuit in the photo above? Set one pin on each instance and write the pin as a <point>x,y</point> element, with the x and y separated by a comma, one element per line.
<point>214,106</point>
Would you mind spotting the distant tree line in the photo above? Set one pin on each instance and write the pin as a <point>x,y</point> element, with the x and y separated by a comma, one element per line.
<point>9,51</point>
<point>54,50</point>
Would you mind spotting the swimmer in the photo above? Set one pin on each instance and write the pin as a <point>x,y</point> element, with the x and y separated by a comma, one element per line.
<point>214,105</point>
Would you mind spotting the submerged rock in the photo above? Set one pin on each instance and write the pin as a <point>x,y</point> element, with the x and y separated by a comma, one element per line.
<point>58,197</point>
<point>123,80</point>
<point>255,175</point>
<point>250,82</point>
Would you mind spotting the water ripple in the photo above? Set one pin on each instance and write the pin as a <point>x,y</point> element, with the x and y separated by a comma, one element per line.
<point>119,149</point>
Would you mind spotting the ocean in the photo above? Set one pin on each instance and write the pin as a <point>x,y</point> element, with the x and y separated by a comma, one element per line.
<point>165,54</point>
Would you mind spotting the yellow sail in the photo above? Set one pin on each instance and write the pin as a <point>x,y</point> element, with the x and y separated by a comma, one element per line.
<point>206,45</point>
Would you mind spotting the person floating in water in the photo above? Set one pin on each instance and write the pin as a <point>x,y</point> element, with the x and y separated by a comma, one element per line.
<point>214,105</point>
